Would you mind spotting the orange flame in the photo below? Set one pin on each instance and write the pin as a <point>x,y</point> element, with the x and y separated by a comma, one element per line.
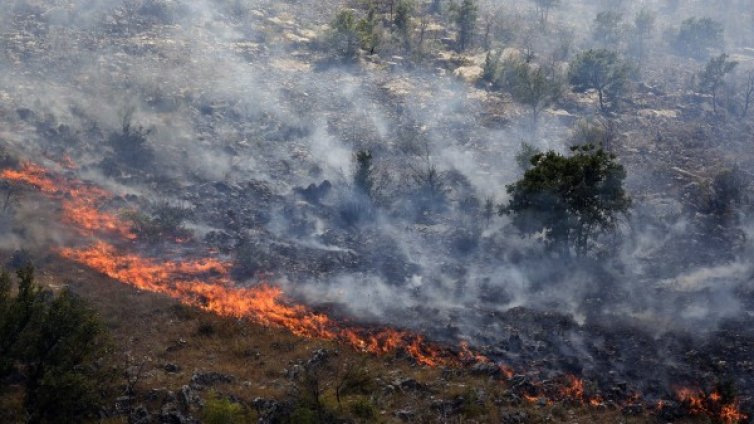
<point>78,200</point>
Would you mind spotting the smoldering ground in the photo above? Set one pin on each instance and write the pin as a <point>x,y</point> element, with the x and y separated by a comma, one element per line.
<point>241,113</point>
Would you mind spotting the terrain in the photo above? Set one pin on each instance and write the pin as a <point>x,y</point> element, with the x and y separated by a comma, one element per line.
<point>206,155</point>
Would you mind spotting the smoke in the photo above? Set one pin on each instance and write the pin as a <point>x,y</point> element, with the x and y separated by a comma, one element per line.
<point>241,120</point>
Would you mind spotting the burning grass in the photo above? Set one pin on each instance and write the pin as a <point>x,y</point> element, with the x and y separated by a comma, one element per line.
<point>205,283</point>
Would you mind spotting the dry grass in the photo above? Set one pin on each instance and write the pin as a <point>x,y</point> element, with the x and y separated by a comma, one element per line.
<point>151,330</point>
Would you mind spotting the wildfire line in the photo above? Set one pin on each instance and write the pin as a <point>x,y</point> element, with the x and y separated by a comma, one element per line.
<point>206,283</point>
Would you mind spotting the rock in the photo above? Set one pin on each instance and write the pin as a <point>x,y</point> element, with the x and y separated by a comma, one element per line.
<point>187,398</point>
<point>201,380</point>
<point>405,414</point>
<point>486,368</point>
<point>270,411</point>
<point>319,357</point>
<point>171,367</point>
<point>139,415</point>
<point>410,384</point>
<point>123,404</point>
<point>169,414</point>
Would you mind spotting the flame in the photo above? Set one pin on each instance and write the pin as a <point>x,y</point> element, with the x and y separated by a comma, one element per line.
<point>78,200</point>
<point>700,403</point>
<point>206,283</point>
<point>574,389</point>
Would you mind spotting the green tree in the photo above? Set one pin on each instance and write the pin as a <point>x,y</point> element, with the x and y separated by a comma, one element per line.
<point>696,36</point>
<point>465,17</point>
<point>402,21</point>
<point>641,32</point>
<point>544,7</point>
<point>606,28</point>
<point>534,87</point>
<point>344,35</point>
<point>370,31</point>
<point>712,78</point>
<point>362,179</point>
<point>219,410</point>
<point>56,343</point>
<point>569,200</point>
<point>601,70</point>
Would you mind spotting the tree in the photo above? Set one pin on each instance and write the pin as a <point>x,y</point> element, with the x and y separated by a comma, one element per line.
<point>370,31</point>
<point>601,70</point>
<point>642,31</point>
<point>403,12</point>
<point>569,200</point>
<point>696,36</point>
<point>535,88</point>
<point>362,179</point>
<point>465,19</point>
<point>55,342</point>
<point>712,78</point>
<point>543,9</point>
<point>344,35</point>
<point>606,28</point>
<point>748,93</point>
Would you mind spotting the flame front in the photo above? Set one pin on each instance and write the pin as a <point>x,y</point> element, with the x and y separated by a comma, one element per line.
<point>206,283</point>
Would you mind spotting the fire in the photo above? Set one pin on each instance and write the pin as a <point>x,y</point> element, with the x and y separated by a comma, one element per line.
<point>574,389</point>
<point>698,402</point>
<point>206,283</point>
<point>78,200</point>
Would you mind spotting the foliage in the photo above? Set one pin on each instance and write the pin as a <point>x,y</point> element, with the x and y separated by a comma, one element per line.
<point>606,28</point>
<point>344,35</point>
<point>712,78</point>
<point>697,35</point>
<point>544,7</point>
<point>525,155</point>
<point>369,31</point>
<point>491,66</point>
<point>534,87</point>
<point>727,190</point>
<point>363,180</point>
<point>601,70</point>
<point>56,343</point>
<point>465,17</point>
<point>219,410</point>
<point>569,200</point>
<point>362,408</point>
<point>166,220</point>
<point>642,31</point>
<point>131,144</point>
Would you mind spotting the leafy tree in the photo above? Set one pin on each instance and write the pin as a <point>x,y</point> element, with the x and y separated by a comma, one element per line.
<point>606,28</point>
<point>728,189</point>
<point>403,12</point>
<point>218,410</point>
<point>712,78</point>
<point>344,35</point>
<point>534,87</point>
<point>601,70</point>
<point>55,342</point>
<point>362,179</point>
<point>569,200</point>
<point>491,66</point>
<point>370,31</point>
<point>525,155</point>
<point>544,7</point>
<point>465,19</point>
<point>131,144</point>
<point>696,36</point>
<point>641,32</point>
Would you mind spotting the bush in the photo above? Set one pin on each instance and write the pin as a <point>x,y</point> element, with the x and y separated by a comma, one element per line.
<point>222,411</point>
<point>696,36</point>
<point>363,408</point>
<point>56,343</point>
